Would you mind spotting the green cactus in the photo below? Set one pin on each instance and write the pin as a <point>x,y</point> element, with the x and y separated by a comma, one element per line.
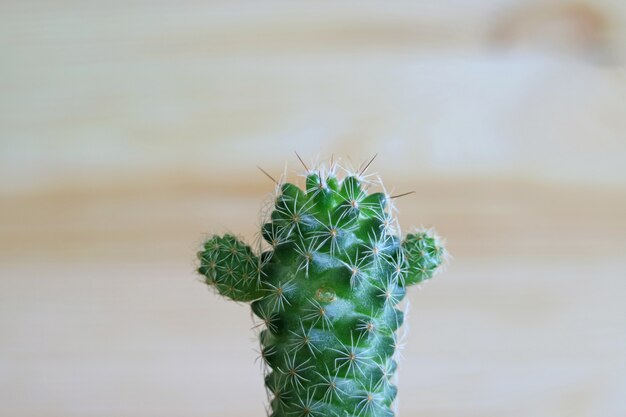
<point>326,291</point>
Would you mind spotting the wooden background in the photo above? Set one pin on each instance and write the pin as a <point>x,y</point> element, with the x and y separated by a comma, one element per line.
<point>130,130</point>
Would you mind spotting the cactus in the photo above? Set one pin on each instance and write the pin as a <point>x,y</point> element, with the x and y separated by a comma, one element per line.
<point>326,291</point>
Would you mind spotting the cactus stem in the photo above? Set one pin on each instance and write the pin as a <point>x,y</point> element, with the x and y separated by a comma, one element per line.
<point>326,288</point>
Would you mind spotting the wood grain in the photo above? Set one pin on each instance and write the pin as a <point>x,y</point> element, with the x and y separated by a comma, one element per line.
<point>130,130</point>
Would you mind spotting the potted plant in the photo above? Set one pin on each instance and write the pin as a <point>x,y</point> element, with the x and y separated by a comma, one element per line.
<point>326,290</point>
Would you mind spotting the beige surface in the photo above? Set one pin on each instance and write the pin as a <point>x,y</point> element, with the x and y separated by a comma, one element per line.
<point>130,129</point>
<point>102,314</point>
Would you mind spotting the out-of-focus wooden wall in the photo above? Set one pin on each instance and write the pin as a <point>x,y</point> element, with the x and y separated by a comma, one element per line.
<point>128,130</point>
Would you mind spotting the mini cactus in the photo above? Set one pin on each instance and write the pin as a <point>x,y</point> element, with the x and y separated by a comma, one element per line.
<point>326,291</point>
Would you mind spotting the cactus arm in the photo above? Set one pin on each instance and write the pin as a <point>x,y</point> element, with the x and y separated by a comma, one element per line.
<point>424,254</point>
<point>231,267</point>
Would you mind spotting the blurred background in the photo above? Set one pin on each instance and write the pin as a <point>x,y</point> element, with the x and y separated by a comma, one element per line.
<point>130,130</point>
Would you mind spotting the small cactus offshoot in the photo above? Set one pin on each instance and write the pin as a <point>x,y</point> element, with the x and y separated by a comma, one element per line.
<point>326,289</point>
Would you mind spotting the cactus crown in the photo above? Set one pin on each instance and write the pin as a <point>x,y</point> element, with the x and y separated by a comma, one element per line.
<point>326,293</point>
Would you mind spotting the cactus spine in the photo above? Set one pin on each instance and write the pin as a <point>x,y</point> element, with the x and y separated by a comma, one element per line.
<point>326,292</point>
